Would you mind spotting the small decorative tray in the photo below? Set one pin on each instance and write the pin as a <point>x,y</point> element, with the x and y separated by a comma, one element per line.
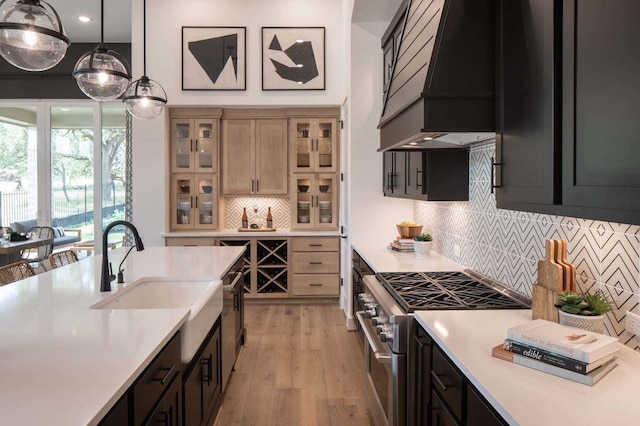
<point>256,229</point>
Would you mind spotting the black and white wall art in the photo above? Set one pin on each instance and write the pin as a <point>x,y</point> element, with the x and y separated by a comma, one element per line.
<point>293,58</point>
<point>214,58</point>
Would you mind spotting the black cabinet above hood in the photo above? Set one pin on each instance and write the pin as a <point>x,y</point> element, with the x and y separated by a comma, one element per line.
<point>443,73</point>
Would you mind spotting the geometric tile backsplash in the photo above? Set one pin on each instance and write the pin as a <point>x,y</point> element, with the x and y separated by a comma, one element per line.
<point>257,211</point>
<point>506,245</point>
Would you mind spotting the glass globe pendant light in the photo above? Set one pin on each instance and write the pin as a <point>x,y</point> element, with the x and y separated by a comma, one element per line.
<point>102,74</point>
<point>31,35</point>
<point>145,98</point>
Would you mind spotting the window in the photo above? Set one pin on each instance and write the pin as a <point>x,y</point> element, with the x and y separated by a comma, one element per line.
<point>64,164</point>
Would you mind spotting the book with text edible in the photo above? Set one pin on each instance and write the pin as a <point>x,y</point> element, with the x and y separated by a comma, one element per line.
<point>555,359</point>
<point>589,379</point>
<point>571,342</point>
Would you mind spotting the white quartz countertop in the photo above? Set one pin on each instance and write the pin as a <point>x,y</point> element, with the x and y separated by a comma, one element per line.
<point>235,233</point>
<point>382,259</point>
<point>524,396</point>
<point>62,363</point>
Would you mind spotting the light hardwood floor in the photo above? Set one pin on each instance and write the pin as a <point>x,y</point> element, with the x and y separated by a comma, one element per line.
<point>300,366</point>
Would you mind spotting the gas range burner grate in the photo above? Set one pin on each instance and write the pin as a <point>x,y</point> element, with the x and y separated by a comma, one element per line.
<point>446,290</point>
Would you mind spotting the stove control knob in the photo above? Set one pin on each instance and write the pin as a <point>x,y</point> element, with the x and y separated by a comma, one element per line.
<point>377,321</point>
<point>364,297</point>
<point>370,305</point>
<point>370,313</point>
<point>386,336</point>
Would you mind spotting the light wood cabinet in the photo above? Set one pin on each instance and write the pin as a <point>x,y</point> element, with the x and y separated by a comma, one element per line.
<point>315,270</point>
<point>254,157</point>
<point>194,145</point>
<point>190,241</point>
<point>194,201</point>
<point>194,185</point>
<point>315,201</point>
<point>314,145</point>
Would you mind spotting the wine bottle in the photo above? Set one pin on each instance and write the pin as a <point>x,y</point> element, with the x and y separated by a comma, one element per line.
<point>245,219</point>
<point>269,219</point>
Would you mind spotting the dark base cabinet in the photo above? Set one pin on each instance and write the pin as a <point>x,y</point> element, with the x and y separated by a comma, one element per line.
<point>119,414</point>
<point>202,384</point>
<point>360,269</point>
<point>169,409</point>
<point>439,394</point>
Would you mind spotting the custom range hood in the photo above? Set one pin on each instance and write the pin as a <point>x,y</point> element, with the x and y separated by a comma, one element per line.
<point>441,88</point>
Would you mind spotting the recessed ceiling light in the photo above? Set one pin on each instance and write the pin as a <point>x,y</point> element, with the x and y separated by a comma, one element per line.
<point>299,65</point>
<point>84,19</point>
<point>413,143</point>
<point>65,109</point>
<point>300,82</point>
<point>299,40</point>
<point>428,138</point>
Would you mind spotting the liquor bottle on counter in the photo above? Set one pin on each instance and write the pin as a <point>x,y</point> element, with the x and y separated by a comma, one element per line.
<point>245,219</point>
<point>269,219</point>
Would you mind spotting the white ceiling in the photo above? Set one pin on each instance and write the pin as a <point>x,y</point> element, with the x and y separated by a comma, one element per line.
<point>117,20</point>
<point>374,10</point>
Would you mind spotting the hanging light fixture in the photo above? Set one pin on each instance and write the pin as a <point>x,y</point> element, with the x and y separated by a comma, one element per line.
<point>102,74</point>
<point>145,98</point>
<point>31,35</point>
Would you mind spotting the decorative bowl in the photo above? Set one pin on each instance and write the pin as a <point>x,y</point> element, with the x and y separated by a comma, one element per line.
<point>303,219</point>
<point>324,188</point>
<point>325,218</point>
<point>303,188</point>
<point>408,231</point>
<point>207,189</point>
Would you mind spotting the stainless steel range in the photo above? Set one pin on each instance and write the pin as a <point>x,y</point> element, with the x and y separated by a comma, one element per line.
<point>389,299</point>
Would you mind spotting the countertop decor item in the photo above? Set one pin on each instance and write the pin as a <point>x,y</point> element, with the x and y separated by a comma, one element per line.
<point>145,98</point>
<point>422,244</point>
<point>102,74</point>
<point>408,229</point>
<point>584,311</point>
<point>31,35</point>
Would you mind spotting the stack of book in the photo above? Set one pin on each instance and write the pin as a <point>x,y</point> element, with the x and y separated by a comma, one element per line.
<point>575,354</point>
<point>402,245</point>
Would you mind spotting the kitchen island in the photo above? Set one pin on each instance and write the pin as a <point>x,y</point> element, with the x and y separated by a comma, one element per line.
<point>63,363</point>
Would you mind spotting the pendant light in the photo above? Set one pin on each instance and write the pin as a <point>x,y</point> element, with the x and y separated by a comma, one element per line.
<point>31,35</point>
<point>102,74</point>
<point>145,98</point>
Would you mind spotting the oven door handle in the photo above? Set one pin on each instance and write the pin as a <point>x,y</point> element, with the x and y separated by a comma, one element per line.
<point>382,356</point>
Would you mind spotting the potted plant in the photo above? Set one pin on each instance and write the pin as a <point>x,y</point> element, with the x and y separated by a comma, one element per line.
<point>584,311</point>
<point>422,244</point>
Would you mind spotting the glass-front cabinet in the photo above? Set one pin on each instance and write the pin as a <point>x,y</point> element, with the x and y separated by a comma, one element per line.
<point>194,146</point>
<point>195,201</point>
<point>314,145</point>
<point>315,205</point>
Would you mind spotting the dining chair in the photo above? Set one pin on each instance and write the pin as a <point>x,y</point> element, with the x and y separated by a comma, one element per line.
<point>41,253</point>
<point>5,230</point>
<point>15,272</point>
<point>62,258</point>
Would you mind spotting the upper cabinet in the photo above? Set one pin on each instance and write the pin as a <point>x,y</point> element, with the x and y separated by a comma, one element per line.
<point>314,145</point>
<point>194,183</point>
<point>567,132</point>
<point>254,156</point>
<point>430,175</point>
<point>194,145</point>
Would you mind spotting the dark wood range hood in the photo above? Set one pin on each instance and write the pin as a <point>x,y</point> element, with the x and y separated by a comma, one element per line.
<point>443,74</point>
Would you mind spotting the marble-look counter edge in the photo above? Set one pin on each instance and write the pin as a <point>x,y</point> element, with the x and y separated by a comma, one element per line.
<point>235,233</point>
<point>382,259</point>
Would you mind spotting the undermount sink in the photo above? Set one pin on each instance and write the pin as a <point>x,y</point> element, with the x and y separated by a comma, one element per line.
<point>202,298</point>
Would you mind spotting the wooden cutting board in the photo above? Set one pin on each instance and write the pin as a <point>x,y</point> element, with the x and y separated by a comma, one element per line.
<point>561,254</point>
<point>572,268</point>
<point>550,283</point>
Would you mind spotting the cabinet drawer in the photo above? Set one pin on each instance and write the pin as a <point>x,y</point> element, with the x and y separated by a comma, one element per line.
<point>315,244</point>
<point>447,382</point>
<point>316,285</point>
<point>315,263</point>
<point>155,379</point>
<point>440,415</point>
<point>479,413</point>
<point>190,241</point>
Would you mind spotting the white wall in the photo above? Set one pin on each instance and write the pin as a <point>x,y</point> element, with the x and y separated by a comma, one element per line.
<point>165,19</point>
<point>372,214</point>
